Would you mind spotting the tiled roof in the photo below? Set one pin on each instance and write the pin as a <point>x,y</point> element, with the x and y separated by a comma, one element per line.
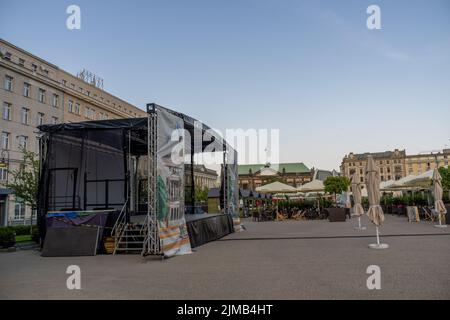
<point>298,167</point>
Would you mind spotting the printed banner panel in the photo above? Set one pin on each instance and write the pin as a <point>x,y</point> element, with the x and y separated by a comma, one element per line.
<point>170,188</point>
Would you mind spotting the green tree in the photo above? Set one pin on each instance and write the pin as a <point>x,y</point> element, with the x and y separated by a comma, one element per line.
<point>445,174</point>
<point>201,194</point>
<point>335,185</point>
<point>25,180</point>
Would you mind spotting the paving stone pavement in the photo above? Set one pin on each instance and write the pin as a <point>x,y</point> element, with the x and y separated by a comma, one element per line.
<point>269,260</point>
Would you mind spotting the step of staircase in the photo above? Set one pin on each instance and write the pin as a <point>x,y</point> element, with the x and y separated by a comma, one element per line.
<point>131,240</point>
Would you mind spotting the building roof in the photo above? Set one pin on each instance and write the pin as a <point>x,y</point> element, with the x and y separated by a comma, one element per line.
<point>324,174</point>
<point>201,168</point>
<point>376,155</point>
<point>298,167</point>
<point>214,193</point>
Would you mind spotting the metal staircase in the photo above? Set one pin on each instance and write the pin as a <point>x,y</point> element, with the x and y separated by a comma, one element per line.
<point>142,237</point>
<point>131,240</point>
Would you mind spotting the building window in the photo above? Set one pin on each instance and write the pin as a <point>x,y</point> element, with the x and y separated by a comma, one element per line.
<point>3,174</point>
<point>54,120</point>
<point>41,95</point>
<point>40,118</point>
<point>7,56</point>
<point>55,101</point>
<point>89,113</point>
<point>34,67</point>
<point>6,111</point>
<point>77,108</point>
<point>19,209</point>
<point>21,62</point>
<point>25,115</point>
<point>102,116</point>
<point>37,148</point>
<point>8,83</point>
<point>70,107</point>
<point>26,89</point>
<point>5,140</point>
<point>23,142</point>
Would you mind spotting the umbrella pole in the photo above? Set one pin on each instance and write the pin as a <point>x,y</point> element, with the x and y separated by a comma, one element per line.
<point>378,236</point>
<point>359,222</point>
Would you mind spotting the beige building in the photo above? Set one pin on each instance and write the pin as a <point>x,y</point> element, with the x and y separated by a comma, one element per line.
<point>390,163</point>
<point>203,177</point>
<point>33,92</point>
<point>420,163</point>
<point>252,176</point>
<point>395,164</point>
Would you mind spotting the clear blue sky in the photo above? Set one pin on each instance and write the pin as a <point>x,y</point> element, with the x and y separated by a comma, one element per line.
<point>310,68</point>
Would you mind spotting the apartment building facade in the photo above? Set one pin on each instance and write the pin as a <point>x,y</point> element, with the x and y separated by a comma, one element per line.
<point>34,92</point>
<point>420,163</point>
<point>253,176</point>
<point>394,165</point>
<point>390,163</point>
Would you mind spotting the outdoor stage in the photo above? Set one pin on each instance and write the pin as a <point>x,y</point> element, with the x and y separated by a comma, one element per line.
<point>134,170</point>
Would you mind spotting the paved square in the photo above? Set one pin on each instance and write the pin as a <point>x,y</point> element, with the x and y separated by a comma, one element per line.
<point>270,260</point>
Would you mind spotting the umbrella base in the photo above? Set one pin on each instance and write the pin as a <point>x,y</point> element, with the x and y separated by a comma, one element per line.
<point>360,228</point>
<point>440,226</point>
<point>378,246</point>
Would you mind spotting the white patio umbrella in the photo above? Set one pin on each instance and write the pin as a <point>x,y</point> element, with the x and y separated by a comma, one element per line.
<point>276,187</point>
<point>439,206</point>
<point>424,180</point>
<point>375,212</point>
<point>313,186</point>
<point>357,209</point>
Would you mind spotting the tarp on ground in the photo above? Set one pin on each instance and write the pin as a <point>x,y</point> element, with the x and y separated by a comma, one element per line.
<point>209,228</point>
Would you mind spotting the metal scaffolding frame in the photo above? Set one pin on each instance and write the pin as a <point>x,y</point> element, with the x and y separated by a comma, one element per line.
<point>152,243</point>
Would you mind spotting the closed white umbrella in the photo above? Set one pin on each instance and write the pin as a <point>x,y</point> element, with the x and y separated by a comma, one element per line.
<point>358,210</point>
<point>439,206</point>
<point>375,212</point>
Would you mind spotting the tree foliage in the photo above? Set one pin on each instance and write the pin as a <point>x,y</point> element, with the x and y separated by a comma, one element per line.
<point>335,185</point>
<point>445,174</point>
<point>25,180</point>
<point>201,194</point>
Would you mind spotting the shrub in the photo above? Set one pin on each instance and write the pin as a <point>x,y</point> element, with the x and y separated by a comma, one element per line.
<point>21,230</point>
<point>7,237</point>
<point>35,234</point>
